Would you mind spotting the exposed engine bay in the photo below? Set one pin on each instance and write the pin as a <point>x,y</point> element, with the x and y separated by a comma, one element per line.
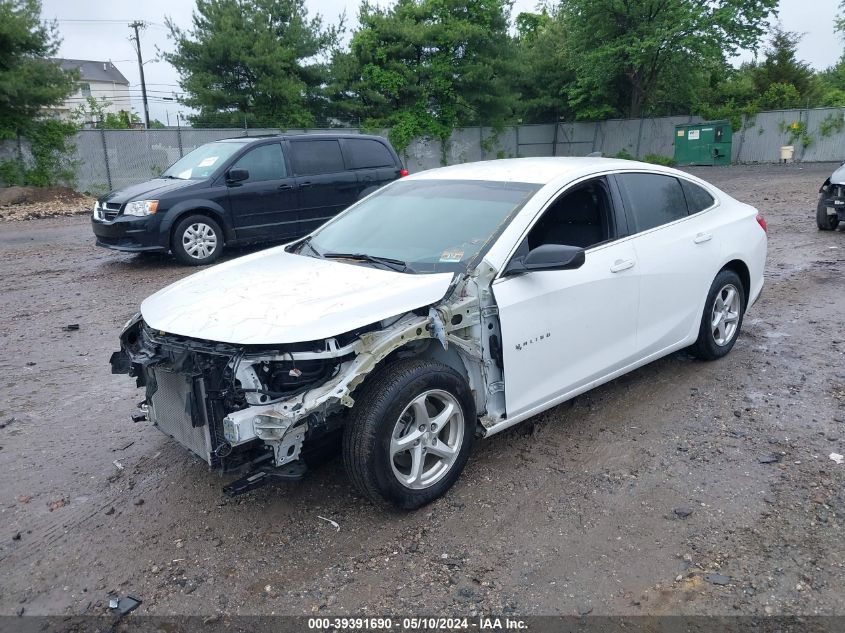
<point>238,406</point>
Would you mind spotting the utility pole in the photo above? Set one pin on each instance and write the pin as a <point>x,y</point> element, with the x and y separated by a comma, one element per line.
<point>136,26</point>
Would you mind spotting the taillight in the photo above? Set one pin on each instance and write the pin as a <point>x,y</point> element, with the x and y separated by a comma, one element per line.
<point>762,222</point>
<point>403,172</point>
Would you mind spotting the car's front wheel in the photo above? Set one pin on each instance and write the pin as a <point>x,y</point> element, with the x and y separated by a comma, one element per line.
<point>409,433</point>
<point>197,240</point>
<point>722,317</point>
<point>825,221</point>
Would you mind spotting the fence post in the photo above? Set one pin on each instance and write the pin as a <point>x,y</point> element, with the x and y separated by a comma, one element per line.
<point>179,138</point>
<point>517,141</point>
<point>554,139</point>
<point>106,157</point>
<point>595,136</point>
<point>639,138</point>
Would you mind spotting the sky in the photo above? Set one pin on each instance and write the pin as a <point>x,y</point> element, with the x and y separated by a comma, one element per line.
<point>97,30</point>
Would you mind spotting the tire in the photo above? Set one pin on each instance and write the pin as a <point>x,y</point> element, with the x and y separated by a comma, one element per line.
<point>385,419</point>
<point>726,297</point>
<point>824,221</point>
<point>197,240</point>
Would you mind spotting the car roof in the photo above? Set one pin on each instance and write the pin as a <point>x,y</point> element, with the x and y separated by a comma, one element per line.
<point>329,135</point>
<point>536,170</point>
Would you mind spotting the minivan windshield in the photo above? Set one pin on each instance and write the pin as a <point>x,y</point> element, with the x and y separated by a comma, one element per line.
<point>427,225</point>
<point>202,162</point>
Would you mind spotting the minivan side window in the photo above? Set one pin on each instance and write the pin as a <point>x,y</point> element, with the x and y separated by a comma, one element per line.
<point>362,153</point>
<point>265,162</point>
<point>697,197</point>
<point>316,156</point>
<point>652,199</point>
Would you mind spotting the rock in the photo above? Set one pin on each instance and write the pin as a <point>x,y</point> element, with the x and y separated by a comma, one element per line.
<point>584,609</point>
<point>770,458</point>
<point>139,502</point>
<point>110,511</point>
<point>683,512</point>
<point>17,536</point>
<point>769,499</point>
<point>717,579</point>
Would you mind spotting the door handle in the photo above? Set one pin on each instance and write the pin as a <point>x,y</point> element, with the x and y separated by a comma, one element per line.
<point>307,183</point>
<point>285,187</point>
<point>703,237</point>
<point>621,264</point>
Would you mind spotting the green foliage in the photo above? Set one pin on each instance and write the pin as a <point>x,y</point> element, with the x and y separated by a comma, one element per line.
<point>780,96</point>
<point>832,123</point>
<point>422,67</point>
<point>625,53</point>
<point>29,81</point>
<point>93,114</point>
<point>657,159</point>
<point>49,144</point>
<point>624,155</point>
<point>259,63</point>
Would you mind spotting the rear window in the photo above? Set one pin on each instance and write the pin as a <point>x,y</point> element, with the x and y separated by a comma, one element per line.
<point>316,156</point>
<point>697,197</point>
<point>653,199</point>
<point>363,153</point>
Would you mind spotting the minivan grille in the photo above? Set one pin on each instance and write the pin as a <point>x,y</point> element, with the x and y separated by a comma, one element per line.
<point>171,411</point>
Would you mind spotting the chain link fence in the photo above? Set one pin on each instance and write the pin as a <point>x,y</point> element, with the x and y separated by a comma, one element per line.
<point>111,159</point>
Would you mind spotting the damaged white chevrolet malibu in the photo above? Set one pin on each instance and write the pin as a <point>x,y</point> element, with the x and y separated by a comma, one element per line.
<point>446,306</point>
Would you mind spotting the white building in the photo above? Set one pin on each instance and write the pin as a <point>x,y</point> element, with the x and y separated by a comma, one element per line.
<point>101,80</point>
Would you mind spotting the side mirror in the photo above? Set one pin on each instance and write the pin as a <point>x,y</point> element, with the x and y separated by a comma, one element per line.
<point>237,175</point>
<point>547,257</point>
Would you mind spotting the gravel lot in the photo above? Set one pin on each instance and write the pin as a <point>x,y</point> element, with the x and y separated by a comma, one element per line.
<point>645,496</point>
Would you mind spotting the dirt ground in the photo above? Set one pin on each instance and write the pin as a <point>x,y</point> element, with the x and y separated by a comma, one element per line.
<point>681,488</point>
<point>30,203</point>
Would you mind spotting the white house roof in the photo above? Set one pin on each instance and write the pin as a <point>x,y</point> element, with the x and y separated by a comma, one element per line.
<point>90,70</point>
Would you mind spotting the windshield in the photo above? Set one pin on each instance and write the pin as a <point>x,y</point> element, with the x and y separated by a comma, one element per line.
<point>202,162</point>
<point>430,225</point>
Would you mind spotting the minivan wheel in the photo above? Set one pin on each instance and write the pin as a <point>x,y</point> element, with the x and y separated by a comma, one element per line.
<point>197,240</point>
<point>722,317</point>
<point>409,434</point>
<point>824,221</point>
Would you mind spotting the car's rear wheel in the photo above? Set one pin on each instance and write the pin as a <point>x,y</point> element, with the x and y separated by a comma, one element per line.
<point>825,221</point>
<point>722,316</point>
<point>409,433</point>
<point>197,240</point>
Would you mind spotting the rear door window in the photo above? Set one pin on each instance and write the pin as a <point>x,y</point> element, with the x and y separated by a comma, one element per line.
<point>366,153</point>
<point>265,162</point>
<point>652,199</point>
<point>697,197</point>
<point>316,156</point>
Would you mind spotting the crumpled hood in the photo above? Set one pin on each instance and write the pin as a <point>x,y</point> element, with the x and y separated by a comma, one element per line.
<point>150,189</point>
<point>274,297</point>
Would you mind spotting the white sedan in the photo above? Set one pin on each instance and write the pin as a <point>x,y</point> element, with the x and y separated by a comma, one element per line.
<point>446,306</point>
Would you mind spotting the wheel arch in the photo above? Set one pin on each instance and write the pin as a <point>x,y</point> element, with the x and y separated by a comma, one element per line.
<point>198,207</point>
<point>741,269</point>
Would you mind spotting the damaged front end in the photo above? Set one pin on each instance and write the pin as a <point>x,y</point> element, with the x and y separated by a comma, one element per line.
<point>259,407</point>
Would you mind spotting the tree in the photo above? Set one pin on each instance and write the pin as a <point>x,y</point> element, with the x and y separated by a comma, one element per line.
<point>257,62</point>
<point>782,66</point>
<point>29,84</point>
<point>93,113</point>
<point>29,80</point>
<point>624,52</point>
<point>422,67</point>
<point>545,69</point>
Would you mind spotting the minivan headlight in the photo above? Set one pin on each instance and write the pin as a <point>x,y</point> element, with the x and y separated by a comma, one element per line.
<point>98,214</point>
<point>141,207</point>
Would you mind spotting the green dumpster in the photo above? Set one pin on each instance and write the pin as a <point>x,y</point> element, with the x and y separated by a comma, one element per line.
<point>703,143</point>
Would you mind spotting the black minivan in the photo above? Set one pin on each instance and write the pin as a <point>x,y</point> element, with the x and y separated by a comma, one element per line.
<point>244,190</point>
